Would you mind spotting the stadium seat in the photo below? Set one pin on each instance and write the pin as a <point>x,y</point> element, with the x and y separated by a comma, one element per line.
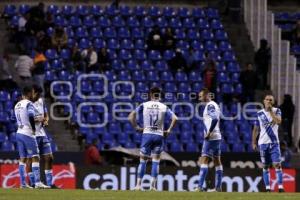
<point>175,147</point>
<point>191,147</point>
<point>7,146</point>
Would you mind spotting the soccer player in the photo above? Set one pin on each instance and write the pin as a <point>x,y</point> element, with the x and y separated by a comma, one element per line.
<point>41,120</point>
<point>154,114</point>
<point>27,145</point>
<point>212,141</point>
<point>268,120</point>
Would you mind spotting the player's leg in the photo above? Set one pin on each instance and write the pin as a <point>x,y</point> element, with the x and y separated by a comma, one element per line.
<point>48,169</point>
<point>157,148</point>
<point>218,165</point>
<point>205,154</point>
<point>22,160</point>
<point>266,160</point>
<point>145,152</point>
<point>33,152</point>
<point>46,151</point>
<point>275,156</point>
<point>30,173</point>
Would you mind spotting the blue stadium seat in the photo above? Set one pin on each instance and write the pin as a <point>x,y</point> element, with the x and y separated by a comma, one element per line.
<point>235,77</point>
<point>104,22</point>
<point>123,33</point>
<point>9,10</point>
<point>197,45</point>
<point>3,137</point>
<point>166,76</point>
<point>170,87</point>
<point>215,24</point>
<point>51,54</point>
<point>228,56</point>
<point>186,137</point>
<point>191,147</point>
<point>117,21</point>
<point>124,76</point>
<point>146,65</point>
<point>175,147</point>
<point>198,13</point>
<point>233,67</point>
<point>221,35</point>
<point>168,54</point>
<point>224,147</point>
<point>75,21</point>
<point>67,10</point>
<point>175,22</point>
<point>184,87</point>
<point>60,21</point>
<point>99,43</point>
<point>125,11</point>
<point>237,147</point>
<point>183,12</point>
<point>161,65</point>
<point>141,87</point>
<point>161,22</point>
<point>180,34</point>
<point>53,9</point>
<point>188,23</point>
<point>89,21</point>
<point>96,10</point>
<point>210,46</point>
<point>203,24</point>
<point>81,32</point>
<point>152,76</point>
<point>154,11</point>
<point>181,76</point>
<point>224,46</point>
<point>110,32</point>
<point>147,22</point>
<point>4,96</point>
<point>168,12</point>
<point>65,54</point>
<point>196,87</point>
<point>154,55</point>
<point>7,146</point>
<point>125,54</point>
<point>113,44</point>
<point>23,9</point>
<point>207,35</point>
<point>139,11</point>
<point>82,10</point>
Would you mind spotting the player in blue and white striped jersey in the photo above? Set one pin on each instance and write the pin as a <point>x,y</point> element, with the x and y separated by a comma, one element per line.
<point>154,114</point>
<point>212,141</point>
<point>268,121</point>
<point>26,141</point>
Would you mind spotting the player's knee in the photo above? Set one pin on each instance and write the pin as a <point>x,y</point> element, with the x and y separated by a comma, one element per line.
<point>35,158</point>
<point>217,161</point>
<point>204,160</point>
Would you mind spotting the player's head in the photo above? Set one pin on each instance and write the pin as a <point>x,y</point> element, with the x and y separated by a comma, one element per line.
<point>155,93</point>
<point>269,100</point>
<point>37,92</point>
<point>204,95</point>
<point>27,92</point>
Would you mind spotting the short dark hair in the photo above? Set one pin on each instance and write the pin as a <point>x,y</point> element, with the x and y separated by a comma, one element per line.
<point>26,90</point>
<point>155,90</point>
<point>37,89</point>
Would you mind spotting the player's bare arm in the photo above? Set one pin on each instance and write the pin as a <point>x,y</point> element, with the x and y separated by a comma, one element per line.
<point>254,136</point>
<point>132,120</point>
<point>173,123</point>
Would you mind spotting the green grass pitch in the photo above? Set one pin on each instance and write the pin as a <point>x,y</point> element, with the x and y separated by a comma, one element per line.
<point>21,194</point>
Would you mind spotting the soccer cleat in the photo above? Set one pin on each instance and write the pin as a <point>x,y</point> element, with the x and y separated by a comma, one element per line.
<point>218,189</point>
<point>40,185</point>
<point>153,189</point>
<point>137,188</point>
<point>26,186</point>
<point>281,190</point>
<point>268,190</point>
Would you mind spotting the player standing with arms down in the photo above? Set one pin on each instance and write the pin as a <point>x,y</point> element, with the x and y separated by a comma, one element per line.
<point>212,141</point>
<point>268,120</point>
<point>41,120</point>
<point>154,114</point>
<point>27,145</point>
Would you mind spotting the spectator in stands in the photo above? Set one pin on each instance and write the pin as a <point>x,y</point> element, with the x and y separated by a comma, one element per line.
<point>103,59</point>
<point>154,39</point>
<point>248,80</point>
<point>92,155</point>
<point>23,65</point>
<point>49,21</point>
<point>209,76</point>
<point>59,39</point>
<point>43,41</point>
<point>262,61</point>
<point>191,60</point>
<point>30,41</point>
<point>6,81</point>
<point>37,12</point>
<point>288,109</point>
<point>296,33</point>
<point>169,39</point>
<point>208,58</point>
<point>178,62</point>
<point>76,58</point>
<point>286,155</point>
<point>38,69</point>
<point>20,32</point>
<point>90,58</point>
